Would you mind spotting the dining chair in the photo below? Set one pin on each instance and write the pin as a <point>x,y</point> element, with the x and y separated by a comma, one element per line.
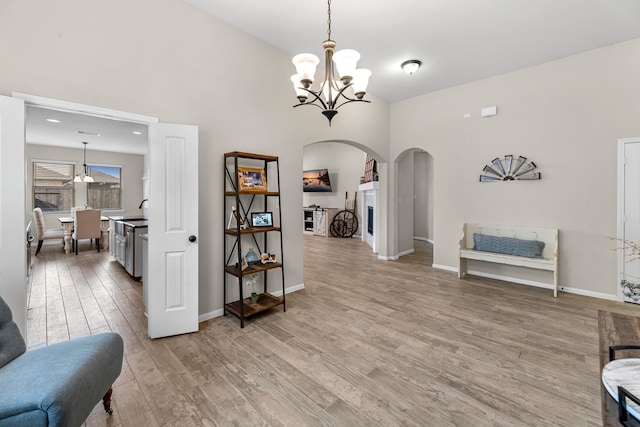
<point>86,226</point>
<point>44,233</point>
<point>75,209</point>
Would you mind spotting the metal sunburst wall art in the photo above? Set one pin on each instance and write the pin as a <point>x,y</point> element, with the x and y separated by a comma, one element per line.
<point>508,169</point>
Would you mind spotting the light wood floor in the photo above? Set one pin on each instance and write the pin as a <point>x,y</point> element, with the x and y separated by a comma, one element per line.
<point>367,342</point>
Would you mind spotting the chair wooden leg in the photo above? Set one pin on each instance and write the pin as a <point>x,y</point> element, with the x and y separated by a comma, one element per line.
<point>98,244</point>
<point>76,243</point>
<point>39,246</point>
<point>106,401</point>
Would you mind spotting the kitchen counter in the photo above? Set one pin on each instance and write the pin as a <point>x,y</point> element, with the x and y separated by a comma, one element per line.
<point>125,231</point>
<point>132,221</point>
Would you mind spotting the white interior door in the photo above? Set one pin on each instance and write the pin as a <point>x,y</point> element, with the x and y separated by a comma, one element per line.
<point>631,216</point>
<point>13,258</point>
<point>173,229</point>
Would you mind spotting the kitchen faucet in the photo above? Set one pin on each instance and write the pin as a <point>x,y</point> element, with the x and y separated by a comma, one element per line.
<point>142,203</point>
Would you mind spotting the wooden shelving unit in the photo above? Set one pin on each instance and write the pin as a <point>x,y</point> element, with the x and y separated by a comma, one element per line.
<point>260,198</point>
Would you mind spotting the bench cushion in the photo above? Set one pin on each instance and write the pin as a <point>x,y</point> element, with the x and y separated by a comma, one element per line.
<point>508,245</point>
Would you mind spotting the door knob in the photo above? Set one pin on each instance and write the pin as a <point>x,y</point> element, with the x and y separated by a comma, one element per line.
<point>192,238</point>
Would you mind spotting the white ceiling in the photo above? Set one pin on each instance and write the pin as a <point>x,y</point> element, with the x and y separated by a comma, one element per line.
<point>458,41</point>
<point>114,135</point>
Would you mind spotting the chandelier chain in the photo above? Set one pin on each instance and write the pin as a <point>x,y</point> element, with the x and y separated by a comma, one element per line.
<point>329,19</point>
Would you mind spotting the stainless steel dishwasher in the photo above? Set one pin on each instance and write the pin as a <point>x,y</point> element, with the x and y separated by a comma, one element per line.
<point>133,246</point>
<point>129,257</point>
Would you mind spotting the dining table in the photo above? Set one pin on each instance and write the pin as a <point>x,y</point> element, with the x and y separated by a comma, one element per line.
<point>67,223</point>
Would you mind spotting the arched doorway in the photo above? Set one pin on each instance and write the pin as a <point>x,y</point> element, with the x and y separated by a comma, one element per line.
<point>414,189</point>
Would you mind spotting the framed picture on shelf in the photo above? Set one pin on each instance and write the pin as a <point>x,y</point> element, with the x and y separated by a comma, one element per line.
<point>252,179</point>
<point>261,219</point>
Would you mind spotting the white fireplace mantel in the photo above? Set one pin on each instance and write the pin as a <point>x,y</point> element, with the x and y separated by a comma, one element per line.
<point>370,192</point>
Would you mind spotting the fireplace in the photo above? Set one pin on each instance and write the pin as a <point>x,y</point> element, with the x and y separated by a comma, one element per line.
<point>370,220</point>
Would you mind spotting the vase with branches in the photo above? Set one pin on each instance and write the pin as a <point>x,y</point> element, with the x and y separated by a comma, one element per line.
<point>251,281</point>
<point>629,284</point>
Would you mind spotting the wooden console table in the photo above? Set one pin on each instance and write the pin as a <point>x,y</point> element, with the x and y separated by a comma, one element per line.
<point>614,329</point>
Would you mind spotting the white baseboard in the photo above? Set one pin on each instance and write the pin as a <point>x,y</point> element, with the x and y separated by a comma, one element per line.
<point>577,291</point>
<point>444,267</point>
<point>407,252</point>
<point>566,289</point>
<point>388,258</point>
<point>289,290</point>
<point>210,315</point>
<point>220,312</point>
<point>423,239</point>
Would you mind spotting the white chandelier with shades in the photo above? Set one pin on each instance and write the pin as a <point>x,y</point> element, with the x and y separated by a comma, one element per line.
<point>84,177</point>
<point>331,93</point>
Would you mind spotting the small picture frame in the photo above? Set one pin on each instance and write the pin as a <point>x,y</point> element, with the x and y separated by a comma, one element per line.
<point>252,179</point>
<point>261,219</point>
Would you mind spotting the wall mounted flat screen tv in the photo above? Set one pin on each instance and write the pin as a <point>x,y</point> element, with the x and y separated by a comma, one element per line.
<point>316,181</point>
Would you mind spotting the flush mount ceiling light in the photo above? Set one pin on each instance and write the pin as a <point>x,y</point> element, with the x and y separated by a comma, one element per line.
<point>84,177</point>
<point>411,66</point>
<point>331,91</point>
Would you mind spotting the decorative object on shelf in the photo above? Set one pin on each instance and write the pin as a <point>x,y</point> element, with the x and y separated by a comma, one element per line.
<point>251,281</point>
<point>84,177</point>
<point>251,257</point>
<point>370,167</point>
<point>316,181</point>
<point>508,169</point>
<point>411,66</point>
<point>252,179</point>
<point>235,218</point>
<point>331,89</point>
<point>268,257</point>
<point>261,219</point>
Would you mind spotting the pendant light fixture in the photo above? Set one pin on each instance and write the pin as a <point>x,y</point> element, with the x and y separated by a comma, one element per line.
<point>84,177</point>
<point>330,94</point>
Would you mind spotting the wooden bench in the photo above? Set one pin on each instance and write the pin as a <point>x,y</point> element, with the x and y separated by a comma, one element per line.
<point>549,255</point>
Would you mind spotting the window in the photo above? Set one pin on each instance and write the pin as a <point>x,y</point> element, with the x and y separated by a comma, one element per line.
<point>104,192</point>
<point>53,186</point>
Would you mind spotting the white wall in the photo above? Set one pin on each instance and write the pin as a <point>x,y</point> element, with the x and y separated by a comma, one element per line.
<point>176,63</point>
<point>564,115</point>
<point>423,196</point>
<point>405,202</point>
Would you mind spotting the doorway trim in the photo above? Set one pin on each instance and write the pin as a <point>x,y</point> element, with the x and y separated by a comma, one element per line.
<point>89,110</point>
<point>621,190</point>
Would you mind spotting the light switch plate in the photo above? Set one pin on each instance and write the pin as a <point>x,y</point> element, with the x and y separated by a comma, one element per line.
<point>489,111</point>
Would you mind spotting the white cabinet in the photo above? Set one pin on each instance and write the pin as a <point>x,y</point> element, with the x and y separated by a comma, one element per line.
<point>318,220</point>
<point>119,248</point>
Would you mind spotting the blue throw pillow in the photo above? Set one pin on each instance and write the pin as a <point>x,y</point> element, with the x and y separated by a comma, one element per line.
<point>508,245</point>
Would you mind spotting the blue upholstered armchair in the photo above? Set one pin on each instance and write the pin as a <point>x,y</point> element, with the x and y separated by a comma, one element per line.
<point>57,385</point>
